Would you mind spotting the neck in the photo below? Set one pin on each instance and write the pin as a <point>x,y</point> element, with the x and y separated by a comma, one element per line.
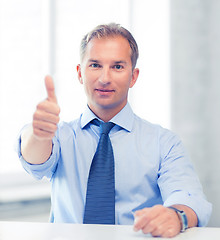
<point>105,114</point>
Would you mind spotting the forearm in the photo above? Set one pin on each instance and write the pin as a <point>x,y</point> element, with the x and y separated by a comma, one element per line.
<point>34,150</point>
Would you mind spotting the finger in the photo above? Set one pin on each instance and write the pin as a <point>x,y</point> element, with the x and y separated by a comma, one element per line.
<point>150,227</point>
<point>169,233</point>
<point>47,117</point>
<point>156,227</point>
<point>49,107</point>
<point>44,126</point>
<point>49,84</point>
<point>41,134</point>
<point>140,221</point>
<point>143,217</point>
<point>164,230</point>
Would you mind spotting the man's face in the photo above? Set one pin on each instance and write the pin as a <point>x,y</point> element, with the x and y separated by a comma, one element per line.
<point>106,73</point>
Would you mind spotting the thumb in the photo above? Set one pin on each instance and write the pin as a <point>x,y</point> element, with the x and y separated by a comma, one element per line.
<point>49,84</point>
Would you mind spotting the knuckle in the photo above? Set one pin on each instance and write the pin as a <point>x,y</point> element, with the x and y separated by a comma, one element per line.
<point>34,124</point>
<point>36,115</point>
<point>57,119</point>
<point>54,128</point>
<point>151,225</point>
<point>158,207</point>
<point>170,233</point>
<point>145,231</point>
<point>36,132</point>
<point>138,213</point>
<point>160,228</point>
<point>155,234</point>
<point>40,105</point>
<point>55,107</point>
<point>157,230</point>
<point>145,218</point>
<point>58,109</point>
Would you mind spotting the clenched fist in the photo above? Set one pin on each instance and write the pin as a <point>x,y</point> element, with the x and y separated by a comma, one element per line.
<point>158,220</point>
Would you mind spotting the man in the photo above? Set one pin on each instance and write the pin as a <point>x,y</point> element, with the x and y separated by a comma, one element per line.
<point>152,170</point>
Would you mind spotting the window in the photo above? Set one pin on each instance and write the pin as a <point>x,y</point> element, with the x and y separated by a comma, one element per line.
<point>43,37</point>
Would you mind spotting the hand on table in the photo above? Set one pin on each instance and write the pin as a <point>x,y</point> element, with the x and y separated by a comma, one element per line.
<point>158,221</point>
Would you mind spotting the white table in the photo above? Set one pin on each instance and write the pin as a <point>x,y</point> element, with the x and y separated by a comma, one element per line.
<point>55,231</point>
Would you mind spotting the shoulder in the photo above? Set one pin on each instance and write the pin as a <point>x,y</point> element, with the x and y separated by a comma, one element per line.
<point>162,134</point>
<point>143,124</point>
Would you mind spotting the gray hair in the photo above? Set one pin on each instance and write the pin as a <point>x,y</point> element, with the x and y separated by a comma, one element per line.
<point>108,30</point>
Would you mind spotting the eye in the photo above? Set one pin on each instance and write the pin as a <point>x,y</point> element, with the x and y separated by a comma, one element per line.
<point>95,65</point>
<point>118,67</point>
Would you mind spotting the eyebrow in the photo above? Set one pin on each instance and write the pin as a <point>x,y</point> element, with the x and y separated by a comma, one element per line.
<point>116,62</point>
<point>121,62</point>
<point>93,60</point>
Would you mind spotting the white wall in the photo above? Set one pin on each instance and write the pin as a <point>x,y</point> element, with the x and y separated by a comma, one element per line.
<point>40,37</point>
<point>43,37</point>
<point>195,71</point>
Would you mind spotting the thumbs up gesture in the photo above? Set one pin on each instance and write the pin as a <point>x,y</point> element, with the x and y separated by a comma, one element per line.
<point>46,116</point>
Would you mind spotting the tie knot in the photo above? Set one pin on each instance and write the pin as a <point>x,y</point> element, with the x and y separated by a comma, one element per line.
<point>106,127</point>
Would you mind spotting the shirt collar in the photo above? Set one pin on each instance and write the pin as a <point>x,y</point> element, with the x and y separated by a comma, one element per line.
<point>87,117</point>
<point>124,118</point>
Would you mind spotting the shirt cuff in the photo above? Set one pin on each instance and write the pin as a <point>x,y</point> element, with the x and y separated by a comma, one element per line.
<point>198,204</point>
<point>47,168</point>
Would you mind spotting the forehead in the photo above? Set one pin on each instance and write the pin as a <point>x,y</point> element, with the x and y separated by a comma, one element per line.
<point>114,48</point>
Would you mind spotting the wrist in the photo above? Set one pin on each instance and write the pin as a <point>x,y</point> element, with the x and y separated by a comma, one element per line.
<point>182,217</point>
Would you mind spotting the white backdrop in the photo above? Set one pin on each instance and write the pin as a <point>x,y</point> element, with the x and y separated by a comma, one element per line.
<point>41,37</point>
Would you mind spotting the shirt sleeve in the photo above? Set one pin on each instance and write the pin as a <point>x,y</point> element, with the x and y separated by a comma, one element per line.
<point>177,179</point>
<point>46,169</point>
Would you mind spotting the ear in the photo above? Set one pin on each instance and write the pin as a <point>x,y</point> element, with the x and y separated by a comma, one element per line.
<point>79,73</point>
<point>134,77</point>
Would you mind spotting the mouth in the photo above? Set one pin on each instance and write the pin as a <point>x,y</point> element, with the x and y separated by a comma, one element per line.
<point>104,90</point>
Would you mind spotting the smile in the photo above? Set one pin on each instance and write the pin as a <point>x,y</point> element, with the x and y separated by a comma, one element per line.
<point>104,90</point>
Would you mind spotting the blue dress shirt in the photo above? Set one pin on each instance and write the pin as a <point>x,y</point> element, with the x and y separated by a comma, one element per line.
<point>151,167</point>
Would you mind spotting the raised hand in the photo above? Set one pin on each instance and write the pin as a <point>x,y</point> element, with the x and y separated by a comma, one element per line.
<point>46,116</point>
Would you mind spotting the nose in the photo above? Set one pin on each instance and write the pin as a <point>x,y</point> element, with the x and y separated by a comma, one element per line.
<point>105,76</point>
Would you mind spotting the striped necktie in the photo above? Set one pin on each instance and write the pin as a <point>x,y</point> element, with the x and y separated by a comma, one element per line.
<point>100,197</point>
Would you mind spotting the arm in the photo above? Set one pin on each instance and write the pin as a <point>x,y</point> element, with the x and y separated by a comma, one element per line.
<point>36,140</point>
<point>179,187</point>
<point>162,221</point>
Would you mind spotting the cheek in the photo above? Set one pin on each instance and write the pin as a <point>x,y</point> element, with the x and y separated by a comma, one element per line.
<point>125,82</point>
<point>89,76</point>
<point>88,85</point>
